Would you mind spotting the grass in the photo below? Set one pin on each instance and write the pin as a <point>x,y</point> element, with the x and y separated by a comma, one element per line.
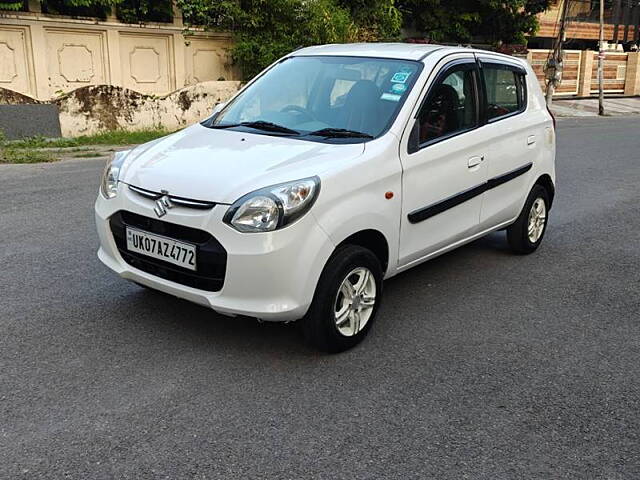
<point>115,137</point>
<point>25,155</point>
<point>40,149</point>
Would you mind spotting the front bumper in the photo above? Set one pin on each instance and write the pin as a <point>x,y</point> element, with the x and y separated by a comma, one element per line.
<point>271,276</point>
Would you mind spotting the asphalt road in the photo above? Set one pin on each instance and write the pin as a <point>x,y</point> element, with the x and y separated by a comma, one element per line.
<point>482,364</point>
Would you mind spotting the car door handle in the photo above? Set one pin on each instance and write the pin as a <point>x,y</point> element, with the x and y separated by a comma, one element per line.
<point>531,140</point>
<point>475,161</point>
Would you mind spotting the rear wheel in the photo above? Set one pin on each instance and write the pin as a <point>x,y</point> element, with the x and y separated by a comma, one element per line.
<point>526,233</point>
<point>346,300</point>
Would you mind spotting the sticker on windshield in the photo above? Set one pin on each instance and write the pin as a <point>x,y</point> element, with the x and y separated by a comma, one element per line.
<point>398,88</point>
<point>391,96</point>
<point>400,77</point>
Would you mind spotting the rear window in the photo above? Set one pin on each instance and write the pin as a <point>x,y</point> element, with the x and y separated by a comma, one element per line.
<point>505,90</point>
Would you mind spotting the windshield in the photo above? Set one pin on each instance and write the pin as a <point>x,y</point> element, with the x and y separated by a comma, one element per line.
<point>323,97</point>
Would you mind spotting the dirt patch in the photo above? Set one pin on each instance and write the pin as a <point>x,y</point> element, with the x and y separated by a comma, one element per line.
<point>9,97</point>
<point>111,107</point>
<point>184,100</point>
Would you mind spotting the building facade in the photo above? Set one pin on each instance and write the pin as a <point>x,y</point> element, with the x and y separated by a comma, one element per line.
<point>622,19</point>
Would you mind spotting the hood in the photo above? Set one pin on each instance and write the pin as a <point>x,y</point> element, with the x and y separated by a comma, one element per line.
<point>222,165</point>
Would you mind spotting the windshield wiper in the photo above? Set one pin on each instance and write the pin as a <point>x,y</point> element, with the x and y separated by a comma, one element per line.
<point>339,133</point>
<point>259,125</point>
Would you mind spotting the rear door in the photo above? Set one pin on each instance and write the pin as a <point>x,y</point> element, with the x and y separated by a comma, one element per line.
<point>443,158</point>
<point>515,137</point>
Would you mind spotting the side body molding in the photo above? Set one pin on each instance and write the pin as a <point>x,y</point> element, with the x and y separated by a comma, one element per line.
<point>431,210</point>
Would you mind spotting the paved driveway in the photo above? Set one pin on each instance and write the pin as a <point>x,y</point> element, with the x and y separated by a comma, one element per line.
<point>482,365</point>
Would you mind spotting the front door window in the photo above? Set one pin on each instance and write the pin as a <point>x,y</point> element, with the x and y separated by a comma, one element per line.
<point>451,107</point>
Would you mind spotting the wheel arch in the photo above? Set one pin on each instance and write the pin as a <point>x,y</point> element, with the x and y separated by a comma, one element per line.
<point>546,182</point>
<point>373,240</point>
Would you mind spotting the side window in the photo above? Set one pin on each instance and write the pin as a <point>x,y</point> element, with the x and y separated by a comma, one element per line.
<point>450,107</point>
<point>505,91</point>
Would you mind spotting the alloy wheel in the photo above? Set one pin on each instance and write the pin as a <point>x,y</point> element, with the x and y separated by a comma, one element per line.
<point>355,301</point>
<point>537,220</point>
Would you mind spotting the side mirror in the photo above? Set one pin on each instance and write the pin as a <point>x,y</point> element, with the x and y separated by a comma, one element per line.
<point>218,107</point>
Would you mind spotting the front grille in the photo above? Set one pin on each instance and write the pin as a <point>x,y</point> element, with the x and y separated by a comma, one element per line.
<point>211,257</point>
<point>180,201</point>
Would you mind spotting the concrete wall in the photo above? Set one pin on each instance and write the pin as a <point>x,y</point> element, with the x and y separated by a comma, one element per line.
<point>44,56</point>
<point>96,108</point>
<point>89,110</point>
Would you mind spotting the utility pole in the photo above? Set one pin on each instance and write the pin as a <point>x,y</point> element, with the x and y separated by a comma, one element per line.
<point>553,68</point>
<point>601,63</point>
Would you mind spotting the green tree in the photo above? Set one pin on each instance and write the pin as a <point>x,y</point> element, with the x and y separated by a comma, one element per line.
<point>79,7</point>
<point>134,11</point>
<point>375,20</point>
<point>265,30</point>
<point>128,11</point>
<point>212,14</point>
<point>493,21</point>
<point>509,21</point>
<point>9,5</point>
<point>270,29</point>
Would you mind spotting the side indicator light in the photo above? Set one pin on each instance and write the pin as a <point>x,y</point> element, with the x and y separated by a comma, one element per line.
<point>388,195</point>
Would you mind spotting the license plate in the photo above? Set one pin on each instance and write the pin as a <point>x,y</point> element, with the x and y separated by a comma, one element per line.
<point>162,248</point>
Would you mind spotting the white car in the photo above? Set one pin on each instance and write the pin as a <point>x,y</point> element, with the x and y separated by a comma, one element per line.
<point>335,168</point>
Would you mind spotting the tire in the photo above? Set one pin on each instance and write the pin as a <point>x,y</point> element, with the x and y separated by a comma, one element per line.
<point>320,326</point>
<point>520,238</point>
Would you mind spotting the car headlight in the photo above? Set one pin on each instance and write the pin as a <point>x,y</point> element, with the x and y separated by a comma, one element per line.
<point>273,207</point>
<point>109,185</point>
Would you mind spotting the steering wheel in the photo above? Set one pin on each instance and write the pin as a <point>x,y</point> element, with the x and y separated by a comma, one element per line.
<point>302,111</point>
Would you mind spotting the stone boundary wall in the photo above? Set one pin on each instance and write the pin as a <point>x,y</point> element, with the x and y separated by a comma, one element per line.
<point>97,108</point>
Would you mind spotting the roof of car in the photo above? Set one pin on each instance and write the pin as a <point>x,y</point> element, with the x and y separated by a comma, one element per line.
<point>405,51</point>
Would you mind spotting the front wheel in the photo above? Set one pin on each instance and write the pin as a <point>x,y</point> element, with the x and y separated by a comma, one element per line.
<point>346,300</point>
<point>525,235</point>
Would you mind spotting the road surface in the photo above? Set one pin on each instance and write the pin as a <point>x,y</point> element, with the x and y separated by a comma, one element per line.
<point>482,364</point>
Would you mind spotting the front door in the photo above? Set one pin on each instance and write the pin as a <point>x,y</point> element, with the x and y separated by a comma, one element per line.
<point>444,164</point>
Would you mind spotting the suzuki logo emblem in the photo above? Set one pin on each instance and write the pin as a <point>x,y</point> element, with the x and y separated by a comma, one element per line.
<point>163,204</point>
